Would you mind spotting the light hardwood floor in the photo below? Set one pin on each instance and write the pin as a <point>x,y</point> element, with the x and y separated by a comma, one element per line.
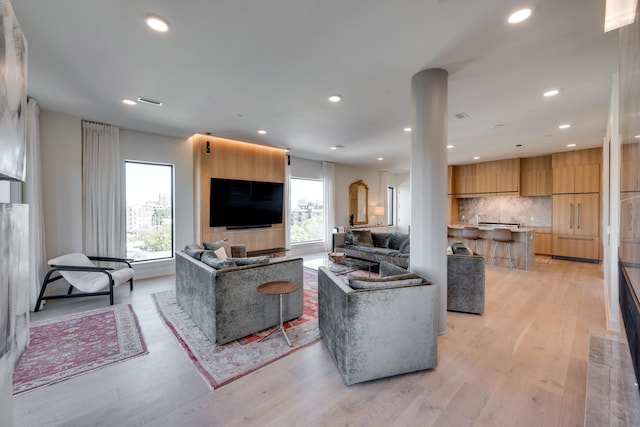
<point>522,363</point>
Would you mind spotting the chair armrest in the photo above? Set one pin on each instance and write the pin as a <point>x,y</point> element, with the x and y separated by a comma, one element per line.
<point>127,261</point>
<point>80,268</point>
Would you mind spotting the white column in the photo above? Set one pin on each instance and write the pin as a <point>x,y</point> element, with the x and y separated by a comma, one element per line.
<point>429,182</point>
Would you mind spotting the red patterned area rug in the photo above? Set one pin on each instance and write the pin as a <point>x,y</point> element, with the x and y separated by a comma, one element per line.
<point>219,365</point>
<point>69,346</point>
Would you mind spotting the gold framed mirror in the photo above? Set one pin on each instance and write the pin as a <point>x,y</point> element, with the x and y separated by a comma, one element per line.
<point>358,203</point>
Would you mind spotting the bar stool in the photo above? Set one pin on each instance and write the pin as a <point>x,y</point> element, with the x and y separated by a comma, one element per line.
<point>471,233</point>
<point>504,236</point>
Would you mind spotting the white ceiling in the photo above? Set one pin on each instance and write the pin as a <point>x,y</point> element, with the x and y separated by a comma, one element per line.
<point>231,67</point>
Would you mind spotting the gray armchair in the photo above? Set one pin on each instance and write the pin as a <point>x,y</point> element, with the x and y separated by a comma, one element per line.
<point>388,328</point>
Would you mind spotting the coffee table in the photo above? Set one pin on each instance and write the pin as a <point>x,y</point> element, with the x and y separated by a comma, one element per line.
<point>348,265</point>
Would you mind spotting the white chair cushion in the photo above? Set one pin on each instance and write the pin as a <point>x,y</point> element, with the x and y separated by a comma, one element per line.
<point>88,281</point>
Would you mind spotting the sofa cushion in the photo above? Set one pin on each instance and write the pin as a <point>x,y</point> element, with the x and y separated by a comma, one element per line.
<point>358,282</point>
<point>250,260</point>
<point>194,252</point>
<point>348,237</point>
<point>210,258</point>
<point>381,240</point>
<point>397,239</point>
<point>405,247</point>
<point>218,244</point>
<point>459,248</point>
<point>362,238</point>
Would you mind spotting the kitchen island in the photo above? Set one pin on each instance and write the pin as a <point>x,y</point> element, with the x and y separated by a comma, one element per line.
<point>522,248</point>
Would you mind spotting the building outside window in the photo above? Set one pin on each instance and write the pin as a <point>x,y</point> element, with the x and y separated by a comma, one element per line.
<point>149,210</point>
<point>307,210</point>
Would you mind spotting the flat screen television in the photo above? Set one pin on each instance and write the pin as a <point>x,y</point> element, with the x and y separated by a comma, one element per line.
<point>245,204</point>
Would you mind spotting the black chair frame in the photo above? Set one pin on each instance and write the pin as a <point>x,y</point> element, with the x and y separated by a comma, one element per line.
<point>58,268</point>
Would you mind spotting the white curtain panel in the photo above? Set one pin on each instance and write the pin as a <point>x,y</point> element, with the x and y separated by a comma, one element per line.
<point>329,177</point>
<point>103,216</point>
<point>32,195</point>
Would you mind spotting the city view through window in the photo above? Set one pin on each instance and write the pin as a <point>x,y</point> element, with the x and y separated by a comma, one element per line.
<point>149,211</point>
<point>307,210</point>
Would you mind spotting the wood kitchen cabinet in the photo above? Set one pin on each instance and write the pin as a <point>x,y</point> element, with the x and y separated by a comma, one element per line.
<point>495,178</point>
<point>576,171</point>
<point>543,240</point>
<point>576,226</point>
<point>536,176</point>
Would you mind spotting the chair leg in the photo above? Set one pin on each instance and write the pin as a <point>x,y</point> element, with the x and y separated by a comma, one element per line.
<point>510,258</point>
<point>131,284</point>
<point>495,248</point>
<point>70,290</point>
<point>44,288</point>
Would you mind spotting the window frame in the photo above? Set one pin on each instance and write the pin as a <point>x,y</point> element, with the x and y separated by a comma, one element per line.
<point>291,207</point>
<point>172,167</point>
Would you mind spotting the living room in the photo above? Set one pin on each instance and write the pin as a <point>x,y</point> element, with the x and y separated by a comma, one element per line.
<point>164,389</point>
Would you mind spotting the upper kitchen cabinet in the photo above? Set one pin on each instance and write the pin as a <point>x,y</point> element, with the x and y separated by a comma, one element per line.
<point>508,177</point>
<point>464,180</point>
<point>536,176</point>
<point>576,171</point>
<point>495,178</point>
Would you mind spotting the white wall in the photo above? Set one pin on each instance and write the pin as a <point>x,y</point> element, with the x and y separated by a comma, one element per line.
<point>403,203</point>
<point>347,174</point>
<point>61,140</point>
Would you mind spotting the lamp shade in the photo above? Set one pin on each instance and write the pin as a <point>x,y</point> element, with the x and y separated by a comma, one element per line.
<point>378,210</point>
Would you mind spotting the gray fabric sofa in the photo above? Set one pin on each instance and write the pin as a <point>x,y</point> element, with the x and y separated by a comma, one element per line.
<point>465,283</point>
<point>225,303</point>
<point>388,329</point>
<point>376,247</point>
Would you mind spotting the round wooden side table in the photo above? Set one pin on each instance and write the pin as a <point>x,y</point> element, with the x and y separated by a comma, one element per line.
<point>278,288</point>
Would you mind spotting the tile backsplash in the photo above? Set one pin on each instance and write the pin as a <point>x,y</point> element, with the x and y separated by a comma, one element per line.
<point>529,211</point>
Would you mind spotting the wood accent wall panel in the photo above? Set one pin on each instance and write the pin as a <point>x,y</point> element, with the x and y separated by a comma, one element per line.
<point>236,160</point>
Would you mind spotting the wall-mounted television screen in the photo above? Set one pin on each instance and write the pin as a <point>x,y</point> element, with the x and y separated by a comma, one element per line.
<point>238,203</point>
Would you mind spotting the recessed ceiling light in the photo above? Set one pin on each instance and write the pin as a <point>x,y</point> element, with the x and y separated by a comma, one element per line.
<point>571,145</point>
<point>552,92</point>
<point>333,148</point>
<point>262,132</point>
<point>157,23</point>
<point>335,97</point>
<point>637,136</point>
<point>129,101</point>
<point>564,126</point>
<point>407,129</point>
<point>476,158</point>
<point>380,158</point>
<point>519,16</point>
<point>450,146</point>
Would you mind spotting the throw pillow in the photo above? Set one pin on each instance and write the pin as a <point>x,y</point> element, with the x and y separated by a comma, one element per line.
<point>459,248</point>
<point>193,252</point>
<point>209,258</point>
<point>250,260</point>
<point>380,240</point>
<point>218,244</point>
<point>405,247</point>
<point>397,239</point>
<point>362,238</point>
<point>220,253</point>
<point>348,237</point>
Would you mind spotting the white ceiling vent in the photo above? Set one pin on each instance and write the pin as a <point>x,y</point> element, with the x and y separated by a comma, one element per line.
<point>462,115</point>
<point>150,101</point>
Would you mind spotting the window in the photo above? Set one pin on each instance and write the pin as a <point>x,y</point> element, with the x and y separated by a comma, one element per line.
<point>390,205</point>
<point>307,210</point>
<point>149,204</point>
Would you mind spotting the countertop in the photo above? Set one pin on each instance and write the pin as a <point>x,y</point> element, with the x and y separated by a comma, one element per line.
<point>489,228</point>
